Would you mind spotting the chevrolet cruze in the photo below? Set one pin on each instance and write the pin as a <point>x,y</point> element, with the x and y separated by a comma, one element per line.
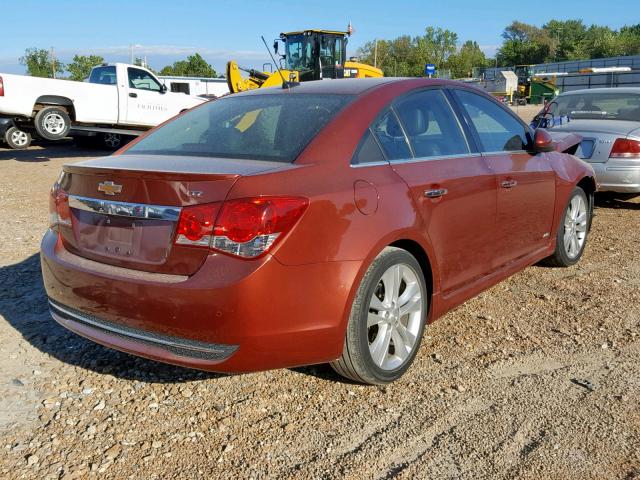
<point>324,222</point>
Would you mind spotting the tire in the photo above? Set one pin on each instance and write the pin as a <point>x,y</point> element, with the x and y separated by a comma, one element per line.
<point>17,139</point>
<point>52,123</point>
<point>570,244</point>
<point>370,354</point>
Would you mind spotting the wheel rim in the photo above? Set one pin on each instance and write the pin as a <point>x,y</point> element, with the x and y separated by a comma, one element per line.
<point>575,226</point>
<point>395,317</point>
<point>19,138</point>
<point>112,140</point>
<point>53,123</point>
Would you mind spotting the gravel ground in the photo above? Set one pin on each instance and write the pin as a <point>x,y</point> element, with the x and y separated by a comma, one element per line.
<point>538,377</point>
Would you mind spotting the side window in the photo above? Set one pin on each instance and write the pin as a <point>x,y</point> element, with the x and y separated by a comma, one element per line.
<point>391,137</point>
<point>142,80</point>
<point>368,151</point>
<point>498,131</point>
<point>431,125</point>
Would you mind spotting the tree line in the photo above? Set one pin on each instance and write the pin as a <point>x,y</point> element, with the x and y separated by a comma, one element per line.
<point>522,44</point>
<point>39,62</point>
<point>406,55</point>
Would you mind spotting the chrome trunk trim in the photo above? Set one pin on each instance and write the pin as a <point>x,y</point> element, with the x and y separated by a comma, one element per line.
<point>124,209</point>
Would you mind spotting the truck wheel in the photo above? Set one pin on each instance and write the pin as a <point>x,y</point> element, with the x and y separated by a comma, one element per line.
<point>52,123</point>
<point>17,139</point>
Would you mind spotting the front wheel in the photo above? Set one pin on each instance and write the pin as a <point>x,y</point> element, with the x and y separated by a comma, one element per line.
<point>571,236</point>
<point>17,139</point>
<point>52,123</point>
<point>387,320</point>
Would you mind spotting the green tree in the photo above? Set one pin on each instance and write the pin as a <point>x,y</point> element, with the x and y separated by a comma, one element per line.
<point>629,40</point>
<point>567,37</point>
<point>81,66</point>
<point>40,64</point>
<point>600,42</point>
<point>525,44</point>
<point>406,56</point>
<point>193,66</point>
<point>469,56</point>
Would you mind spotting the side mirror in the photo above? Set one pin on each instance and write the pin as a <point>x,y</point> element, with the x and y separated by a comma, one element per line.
<point>275,47</point>
<point>163,88</point>
<point>542,141</point>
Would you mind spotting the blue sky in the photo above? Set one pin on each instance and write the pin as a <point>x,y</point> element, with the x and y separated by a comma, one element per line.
<point>221,30</point>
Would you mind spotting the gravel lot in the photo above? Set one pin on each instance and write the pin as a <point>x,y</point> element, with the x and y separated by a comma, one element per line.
<point>537,378</point>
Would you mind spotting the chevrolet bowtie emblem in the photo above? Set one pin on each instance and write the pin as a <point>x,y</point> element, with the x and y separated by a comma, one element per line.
<point>109,188</point>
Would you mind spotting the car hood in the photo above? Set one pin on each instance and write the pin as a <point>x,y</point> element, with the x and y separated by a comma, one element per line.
<point>619,127</point>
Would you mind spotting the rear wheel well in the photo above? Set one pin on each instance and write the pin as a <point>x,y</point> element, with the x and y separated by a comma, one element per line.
<point>54,100</point>
<point>415,249</point>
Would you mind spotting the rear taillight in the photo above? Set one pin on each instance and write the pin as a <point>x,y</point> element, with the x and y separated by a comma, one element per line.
<point>625,148</point>
<point>59,211</point>
<point>1,87</point>
<point>246,228</point>
<point>195,226</point>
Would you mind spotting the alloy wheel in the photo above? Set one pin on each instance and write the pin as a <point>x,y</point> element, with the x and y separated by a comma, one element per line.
<point>19,138</point>
<point>112,140</point>
<point>575,226</point>
<point>53,123</point>
<point>395,316</point>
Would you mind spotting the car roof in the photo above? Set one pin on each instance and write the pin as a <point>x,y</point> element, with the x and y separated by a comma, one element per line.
<point>344,86</point>
<point>582,91</point>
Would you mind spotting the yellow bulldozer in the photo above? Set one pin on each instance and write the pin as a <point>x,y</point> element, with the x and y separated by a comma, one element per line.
<point>308,55</point>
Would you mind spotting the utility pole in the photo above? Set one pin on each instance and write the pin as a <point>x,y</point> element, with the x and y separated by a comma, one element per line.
<point>131,51</point>
<point>53,63</point>
<point>375,54</point>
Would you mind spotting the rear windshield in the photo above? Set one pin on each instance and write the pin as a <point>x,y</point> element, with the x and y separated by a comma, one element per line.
<point>611,106</point>
<point>257,127</point>
<point>103,75</point>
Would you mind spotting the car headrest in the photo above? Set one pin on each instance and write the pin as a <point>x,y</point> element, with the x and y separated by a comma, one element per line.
<point>415,122</point>
<point>393,129</point>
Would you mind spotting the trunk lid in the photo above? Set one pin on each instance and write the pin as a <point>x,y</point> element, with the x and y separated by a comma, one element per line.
<point>598,136</point>
<point>125,209</point>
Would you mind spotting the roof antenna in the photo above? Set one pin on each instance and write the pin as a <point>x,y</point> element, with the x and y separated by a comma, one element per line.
<point>285,84</point>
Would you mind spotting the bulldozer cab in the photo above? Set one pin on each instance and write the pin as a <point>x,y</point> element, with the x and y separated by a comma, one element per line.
<point>314,54</point>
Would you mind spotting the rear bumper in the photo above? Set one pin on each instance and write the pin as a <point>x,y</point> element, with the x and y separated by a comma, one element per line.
<point>231,316</point>
<point>618,175</point>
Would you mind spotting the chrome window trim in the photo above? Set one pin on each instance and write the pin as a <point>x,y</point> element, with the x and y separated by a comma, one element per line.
<point>421,159</point>
<point>124,209</point>
<point>369,164</point>
<point>437,157</point>
<point>503,152</point>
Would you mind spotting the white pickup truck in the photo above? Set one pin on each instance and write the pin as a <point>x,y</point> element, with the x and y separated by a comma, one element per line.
<point>118,99</point>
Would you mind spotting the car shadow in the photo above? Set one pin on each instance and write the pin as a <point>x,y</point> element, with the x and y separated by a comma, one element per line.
<point>45,151</point>
<point>23,304</point>
<point>607,200</point>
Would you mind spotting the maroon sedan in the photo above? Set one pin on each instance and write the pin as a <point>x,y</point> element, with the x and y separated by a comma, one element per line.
<point>328,222</point>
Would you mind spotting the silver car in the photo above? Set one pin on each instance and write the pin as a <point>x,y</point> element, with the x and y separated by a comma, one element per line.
<point>608,119</point>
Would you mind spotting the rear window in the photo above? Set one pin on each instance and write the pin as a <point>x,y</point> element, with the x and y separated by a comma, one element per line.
<point>596,105</point>
<point>257,127</point>
<point>103,75</point>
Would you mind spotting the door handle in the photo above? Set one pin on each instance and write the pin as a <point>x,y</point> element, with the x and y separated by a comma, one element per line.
<point>435,192</point>
<point>509,183</point>
<point>133,95</point>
